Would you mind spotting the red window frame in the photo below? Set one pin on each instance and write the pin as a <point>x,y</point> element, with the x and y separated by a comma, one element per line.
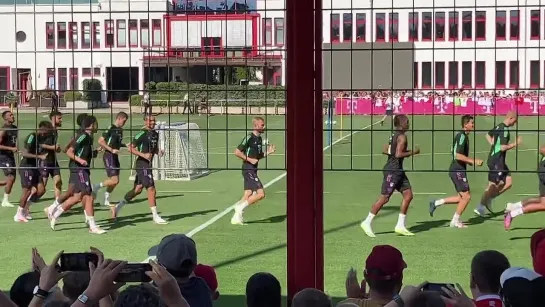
<point>267,29</point>
<point>480,21</point>
<point>144,25</point>
<point>514,19</point>
<point>74,79</point>
<point>514,84</point>
<point>96,35</point>
<point>133,26</point>
<point>438,84</point>
<point>465,21</point>
<point>501,83</point>
<point>361,24</point>
<point>279,26</point>
<point>535,21</point>
<point>426,71</point>
<point>501,20</point>
<point>119,27</point>
<point>413,23</point>
<point>415,74</point>
<point>440,22</point>
<point>427,22</point>
<point>453,20</point>
<point>393,27</point>
<point>380,22</point>
<point>88,26</point>
<point>453,82</point>
<point>464,70</point>
<point>60,31</point>
<point>348,27</point>
<point>5,75</point>
<point>50,73</point>
<point>478,84</point>
<point>73,33</point>
<point>50,35</point>
<point>86,72</point>
<point>156,26</point>
<point>532,68</point>
<point>212,52</point>
<point>109,30</point>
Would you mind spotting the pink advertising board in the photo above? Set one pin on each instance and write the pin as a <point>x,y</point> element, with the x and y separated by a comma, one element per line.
<point>365,106</point>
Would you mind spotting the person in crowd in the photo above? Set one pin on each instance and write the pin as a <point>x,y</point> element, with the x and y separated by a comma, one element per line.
<point>263,290</point>
<point>208,274</point>
<point>522,288</point>
<point>537,250</point>
<point>311,298</point>
<point>486,269</point>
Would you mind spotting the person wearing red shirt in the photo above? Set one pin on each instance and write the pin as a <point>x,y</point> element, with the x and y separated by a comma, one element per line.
<point>486,269</point>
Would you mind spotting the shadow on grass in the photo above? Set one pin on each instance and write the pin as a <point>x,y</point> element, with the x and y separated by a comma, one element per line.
<point>476,220</point>
<point>272,219</point>
<point>134,219</point>
<point>157,197</point>
<point>428,225</point>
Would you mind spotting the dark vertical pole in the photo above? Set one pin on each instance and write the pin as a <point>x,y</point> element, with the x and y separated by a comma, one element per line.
<point>304,146</point>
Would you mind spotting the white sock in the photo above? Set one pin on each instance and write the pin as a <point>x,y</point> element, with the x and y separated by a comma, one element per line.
<point>91,221</point>
<point>154,212</point>
<point>456,218</point>
<point>58,212</point>
<point>369,218</point>
<point>6,197</point>
<point>29,197</point>
<point>121,204</point>
<point>239,208</point>
<point>517,205</point>
<point>401,221</point>
<point>107,197</point>
<point>439,202</point>
<point>19,211</point>
<point>56,202</point>
<point>516,212</point>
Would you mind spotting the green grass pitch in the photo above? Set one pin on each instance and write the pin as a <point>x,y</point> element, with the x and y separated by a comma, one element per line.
<point>352,183</point>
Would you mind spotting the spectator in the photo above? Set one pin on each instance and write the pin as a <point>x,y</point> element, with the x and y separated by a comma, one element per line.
<point>311,298</point>
<point>139,296</point>
<point>429,299</point>
<point>208,274</point>
<point>178,254</point>
<point>74,284</point>
<point>146,103</point>
<point>263,290</point>
<point>486,269</point>
<point>537,249</point>
<point>522,288</point>
<point>22,290</point>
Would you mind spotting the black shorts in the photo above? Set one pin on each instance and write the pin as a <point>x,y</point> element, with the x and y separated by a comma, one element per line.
<point>30,177</point>
<point>498,172</point>
<point>8,166</point>
<point>81,180</point>
<point>459,178</point>
<point>50,168</point>
<point>389,112</point>
<point>111,164</point>
<point>394,181</point>
<point>251,181</point>
<point>144,176</point>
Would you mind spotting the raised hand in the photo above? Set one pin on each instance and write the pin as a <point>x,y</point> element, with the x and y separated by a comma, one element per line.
<point>169,291</point>
<point>50,275</point>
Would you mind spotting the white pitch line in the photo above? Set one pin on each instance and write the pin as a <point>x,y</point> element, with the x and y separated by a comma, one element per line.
<point>532,194</point>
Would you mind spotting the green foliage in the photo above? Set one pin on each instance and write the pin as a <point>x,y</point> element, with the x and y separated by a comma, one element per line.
<point>11,97</point>
<point>217,92</point>
<point>92,90</point>
<point>73,96</point>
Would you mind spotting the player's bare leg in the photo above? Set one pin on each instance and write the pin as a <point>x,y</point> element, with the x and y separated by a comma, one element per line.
<point>443,201</point>
<point>136,190</point>
<point>110,185</point>
<point>366,224</point>
<point>490,193</point>
<point>20,216</point>
<point>248,198</point>
<point>58,186</point>
<point>152,200</point>
<point>527,206</point>
<point>38,192</point>
<point>87,202</point>
<point>7,191</point>
<point>400,228</point>
<point>65,206</point>
<point>50,211</point>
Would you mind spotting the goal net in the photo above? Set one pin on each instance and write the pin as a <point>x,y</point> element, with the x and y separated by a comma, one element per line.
<point>185,156</point>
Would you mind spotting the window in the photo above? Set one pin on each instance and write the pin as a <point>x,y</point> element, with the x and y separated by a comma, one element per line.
<point>50,35</point>
<point>361,27</point>
<point>156,34</point>
<point>109,30</point>
<point>439,74</point>
<point>4,80</point>
<point>144,32</point>
<point>61,35</point>
<point>453,26</point>
<point>439,26</point>
<point>96,34</point>
<point>500,74</point>
<point>467,74</point>
<point>514,74</point>
<point>535,28</point>
<point>426,26</point>
<point>335,28</point>
<point>133,33</point>
<point>85,35</point>
<point>394,26</point>
<point>279,31</point>
<point>380,28</point>
<point>534,74</point>
<point>413,26</point>
<point>480,25</point>
<point>63,79</point>
<point>74,80</point>
<point>121,33</point>
<point>453,75</point>
<point>467,26</point>
<point>211,46</point>
<point>480,74</point>
<point>50,73</point>
<point>515,25</point>
<point>347,27</point>
<point>96,72</point>
<point>415,74</point>
<point>500,25</point>
<point>73,34</point>
<point>426,74</point>
<point>86,72</point>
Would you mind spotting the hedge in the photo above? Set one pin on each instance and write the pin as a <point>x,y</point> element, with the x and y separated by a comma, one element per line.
<point>163,100</point>
<point>73,96</point>
<point>217,92</point>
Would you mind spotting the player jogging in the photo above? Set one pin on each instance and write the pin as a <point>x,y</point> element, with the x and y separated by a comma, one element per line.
<point>8,148</point>
<point>145,146</point>
<point>530,205</point>
<point>394,177</point>
<point>111,140</point>
<point>30,172</point>
<point>457,172</point>
<point>250,151</point>
<point>81,153</point>
<point>499,177</point>
<point>389,109</point>
<point>50,166</point>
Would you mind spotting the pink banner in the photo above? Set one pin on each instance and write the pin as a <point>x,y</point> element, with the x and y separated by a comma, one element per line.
<point>365,106</point>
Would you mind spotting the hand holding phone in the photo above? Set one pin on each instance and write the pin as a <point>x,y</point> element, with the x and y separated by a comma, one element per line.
<point>77,262</point>
<point>437,287</point>
<point>134,272</point>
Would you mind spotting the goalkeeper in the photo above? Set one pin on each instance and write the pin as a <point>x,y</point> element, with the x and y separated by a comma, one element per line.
<point>250,151</point>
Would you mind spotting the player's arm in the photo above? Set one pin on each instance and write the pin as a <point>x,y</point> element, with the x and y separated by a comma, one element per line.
<point>461,140</point>
<point>72,142</point>
<point>504,145</point>
<point>102,141</point>
<point>490,136</point>
<point>542,150</point>
<point>2,147</point>
<point>30,151</point>
<point>75,146</point>
<point>400,150</point>
<point>385,149</point>
<point>241,149</point>
<point>138,140</point>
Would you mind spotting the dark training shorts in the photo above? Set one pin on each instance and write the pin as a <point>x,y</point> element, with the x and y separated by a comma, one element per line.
<point>30,177</point>
<point>81,180</point>
<point>111,164</point>
<point>144,176</point>
<point>8,166</point>
<point>459,178</point>
<point>251,181</point>
<point>389,112</point>
<point>498,172</point>
<point>50,169</point>
<point>394,181</point>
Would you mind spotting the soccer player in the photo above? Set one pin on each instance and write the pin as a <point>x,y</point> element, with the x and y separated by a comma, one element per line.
<point>112,141</point>
<point>530,205</point>
<point>8,148</point>
<point>457,172</point>
<point>499,178</point>
<point>50,166</point>
<point>250,151</point>
<point>389,109</point>
<point>394,177</point>
<point>81,153</point>
<point>145,146</point>
<point>30,172</point>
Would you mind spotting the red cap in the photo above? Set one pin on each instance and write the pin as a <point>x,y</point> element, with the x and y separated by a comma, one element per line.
<point>537,248</point>
<point>207,273</point>
<point>385,262</point>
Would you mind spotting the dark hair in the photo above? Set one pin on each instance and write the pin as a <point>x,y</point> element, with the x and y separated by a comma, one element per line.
<point>45,124</point>
<point>311,298</point>
<point>74,284</point>
<point>263,290</point>
<point>138,296</point>
<point>5,113</point>
<point>400,119</point>
<point>79,119</point>
<point>88,121</point>
<point>21,292</point>
<point>122,115</point>
<point>428,299</point>
<point>466,119</point>
<point>486,269</point>
<point>54,113</point>
<point>387,287</point>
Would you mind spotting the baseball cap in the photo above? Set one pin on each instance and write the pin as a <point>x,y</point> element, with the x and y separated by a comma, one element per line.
<point>173,250</point>
<point>537,249</point>
<point>208,274</point>
<point>522,287</point>
<point>385,262</point>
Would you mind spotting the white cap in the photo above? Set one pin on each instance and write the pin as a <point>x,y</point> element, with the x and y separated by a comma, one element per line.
<point>518,273</point>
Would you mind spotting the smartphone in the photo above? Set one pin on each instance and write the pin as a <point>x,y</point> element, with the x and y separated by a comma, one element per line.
<point>77,262</point>
<point>436,287</point>
<point>134,272</point>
